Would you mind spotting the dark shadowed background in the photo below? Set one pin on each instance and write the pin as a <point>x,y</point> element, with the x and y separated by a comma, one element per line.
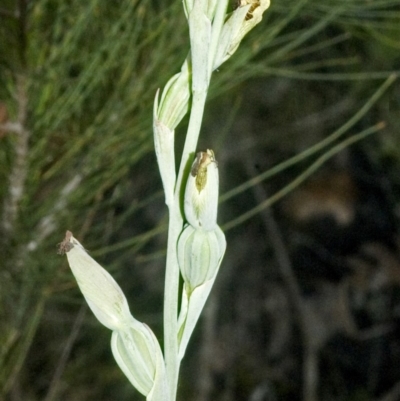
<point>307,303</point>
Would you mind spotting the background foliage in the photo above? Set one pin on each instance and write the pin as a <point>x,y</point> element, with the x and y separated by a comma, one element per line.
<point>77,82</point>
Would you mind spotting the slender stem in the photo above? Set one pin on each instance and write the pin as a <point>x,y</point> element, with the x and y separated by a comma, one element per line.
<point>172,361</point>
<point>171,301</point>
<point>199,99</point>
<point>192,137</point>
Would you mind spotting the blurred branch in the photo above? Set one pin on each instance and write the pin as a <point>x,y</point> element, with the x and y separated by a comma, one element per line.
<point>53,387</point>
<point>316,148</point>
<point>302,177</point>
<point>303,314</point>
<point>344,76</point>
<point>12,127</point>
<point>130,242</point>
<point>206,351</point>
<point>19,169</point>
<point>20,352</point>
<point>393,394</point>
<point>48,224</point>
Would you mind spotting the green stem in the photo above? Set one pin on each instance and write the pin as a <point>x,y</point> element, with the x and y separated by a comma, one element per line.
<point>171,301</point>
<point>171,293</point>
<point>199,99</point>
<point>192,137</point>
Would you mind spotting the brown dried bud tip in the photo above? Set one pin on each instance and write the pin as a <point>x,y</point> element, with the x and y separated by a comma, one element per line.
<point>199,168</point>
<point>254,5</point>
<point>66,245</point>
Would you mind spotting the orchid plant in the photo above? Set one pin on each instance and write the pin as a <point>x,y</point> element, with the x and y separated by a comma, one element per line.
<point>196,244</point>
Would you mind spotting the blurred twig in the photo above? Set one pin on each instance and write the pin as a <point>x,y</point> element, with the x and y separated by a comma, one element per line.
<point>302,177</point>
<point>19,169</point>
<point>206,351</point>
<point>393,394</point>
<point>55,381</point>
<point>305,319</point>
<point>316,148</point>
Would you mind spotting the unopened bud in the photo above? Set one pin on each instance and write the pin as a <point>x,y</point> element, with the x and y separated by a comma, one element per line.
<point>199,255</point>
<point>102,293</point>
<point>201,194</point>
<point>139,356</point>
<point>242,20</point>
<point>164,139</point>
<point>174,102</point>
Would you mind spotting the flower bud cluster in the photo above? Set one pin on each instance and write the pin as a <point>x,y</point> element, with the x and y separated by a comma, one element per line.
<point>134,346</point>
<point>201,244</point>
<point>206,55</point>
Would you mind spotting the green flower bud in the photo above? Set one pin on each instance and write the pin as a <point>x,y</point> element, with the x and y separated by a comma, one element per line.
<point>132,349</point>
<point>201,193</point>
<point>174,103</point>
<point>164,139</point>
<point>102,293</point>
<point>199,255</point>
<point>134,345</point>
<point>139,356</point>
<point>246,16</point>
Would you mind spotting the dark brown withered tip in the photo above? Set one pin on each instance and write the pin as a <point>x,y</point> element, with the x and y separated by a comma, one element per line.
<point>65,246</point>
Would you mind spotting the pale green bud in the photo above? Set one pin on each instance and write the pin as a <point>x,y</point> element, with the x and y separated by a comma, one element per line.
<point>102,293</point>
<point>201,193</point>
<point>139,356</point>
<point>246,16</point>
<point>174,103</point>
<point>164,139</point>
<point>199,255</point>
<point>132,349</point>
<point>134,346</point>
